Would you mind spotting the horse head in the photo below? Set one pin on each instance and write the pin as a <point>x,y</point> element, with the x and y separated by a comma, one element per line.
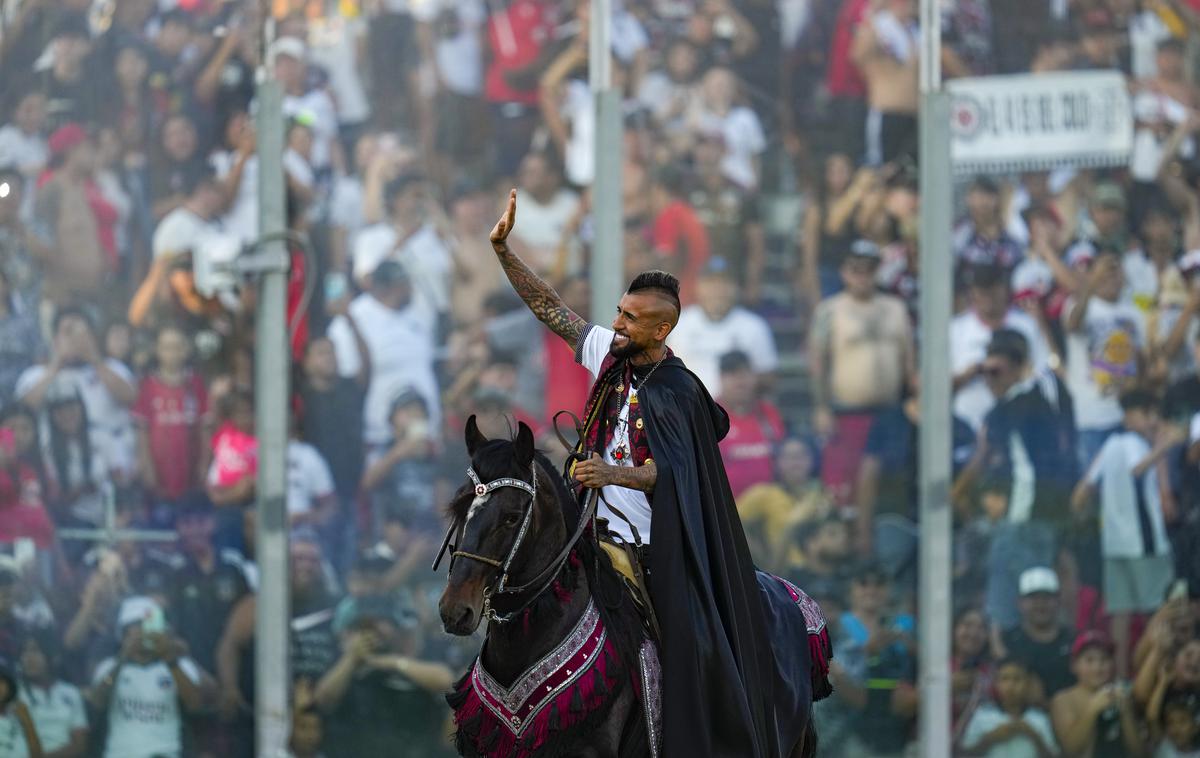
<point>510,524</point>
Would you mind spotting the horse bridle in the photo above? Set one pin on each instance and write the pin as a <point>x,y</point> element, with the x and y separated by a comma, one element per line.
<point>543,579</point>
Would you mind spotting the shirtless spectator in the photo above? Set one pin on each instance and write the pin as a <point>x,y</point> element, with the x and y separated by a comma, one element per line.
<point>65,214</point>
<point>1095,717</point>
<point>862,357</point>
<point>886,50</point>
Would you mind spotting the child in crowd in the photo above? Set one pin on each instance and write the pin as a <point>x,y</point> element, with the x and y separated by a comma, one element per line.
<point>1095,717</point>
<point>170,412</point>
<point>1177,728</point>
<point>1011,726</point>
<point>1137,554</point>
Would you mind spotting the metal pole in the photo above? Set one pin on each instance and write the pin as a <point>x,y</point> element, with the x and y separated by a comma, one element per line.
<point>607,264</point>
<point>273,614</point>
<point>936,292</point>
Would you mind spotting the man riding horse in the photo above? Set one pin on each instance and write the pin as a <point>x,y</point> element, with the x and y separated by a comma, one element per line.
<point>649,443</point>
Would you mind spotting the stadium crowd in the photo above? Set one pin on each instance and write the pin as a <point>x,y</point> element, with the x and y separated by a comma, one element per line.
<point>769,161</point>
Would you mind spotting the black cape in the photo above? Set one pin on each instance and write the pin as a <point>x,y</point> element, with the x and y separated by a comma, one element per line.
<point>718,669</point>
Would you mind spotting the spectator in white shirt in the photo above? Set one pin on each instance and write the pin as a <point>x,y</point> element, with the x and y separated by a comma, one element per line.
<point>105,385</point>
<point>717,111</point>
<point>1011,726</point>
<point>18,736</point>
<point>145,690</point>
<point>399,337</point>
<point>1138,566</point>
<point>547,210</point>
<point>55,706</point>
<point>717,325</point>
<point>181,229</point>
<point>23,144</point>
<point>411,239</point>
<point>289,57</point>
<point>1106,338</point>
<point>970,333</point>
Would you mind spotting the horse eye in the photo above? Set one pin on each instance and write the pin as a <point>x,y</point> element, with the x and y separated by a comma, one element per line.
<point>512,519</point>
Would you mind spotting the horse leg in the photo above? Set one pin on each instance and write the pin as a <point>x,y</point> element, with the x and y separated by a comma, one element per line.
<point>605,741</point>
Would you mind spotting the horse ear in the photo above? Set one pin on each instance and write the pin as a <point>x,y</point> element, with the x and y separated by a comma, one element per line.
<point>524,444</point>
<point>474,437</point>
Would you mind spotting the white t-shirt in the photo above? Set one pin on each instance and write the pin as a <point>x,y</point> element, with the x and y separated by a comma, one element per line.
<point>56,713</point>
<point>459,57</point>
<point>1141,280</point>
<point>542,227</point>
<point>988,718</point>
<point>1100,356</point>
<point>144,718</point>
<point>12,737</point>
<point>579,160</point>
<point>110,424</point>
<point>29,154</point>
<point>1112,472</point>
<point>633,503</point>
<point>333,45</point>
<point>402,352</point>
<point>700,342</point>
<point>1146,30</point>
<point>744,139</point>
<point>969,338</point>
<point>424,255</point>
<point>1167,750</point>
<point>345,209</point>
<point>180,231</point>
<point>316,105</point>
<point>308,477</point>
<point>241,220</point>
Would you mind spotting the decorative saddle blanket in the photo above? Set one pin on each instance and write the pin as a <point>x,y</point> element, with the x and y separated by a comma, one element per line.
<point>566,690</point>
<point>569,689</point>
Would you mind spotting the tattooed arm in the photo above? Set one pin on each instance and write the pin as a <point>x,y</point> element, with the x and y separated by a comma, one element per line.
<point>594,472</point>
<point>539,296</point>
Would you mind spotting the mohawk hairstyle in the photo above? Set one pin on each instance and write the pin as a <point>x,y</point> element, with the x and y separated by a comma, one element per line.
<point>659,282</point>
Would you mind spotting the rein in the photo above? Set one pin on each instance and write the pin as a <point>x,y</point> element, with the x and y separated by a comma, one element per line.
<point>542,581</point>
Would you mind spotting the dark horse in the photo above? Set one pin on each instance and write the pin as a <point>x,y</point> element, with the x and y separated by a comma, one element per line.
<point>564,670</point>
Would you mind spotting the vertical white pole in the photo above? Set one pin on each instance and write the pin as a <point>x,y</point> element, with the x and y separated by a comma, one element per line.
<point>607,263</point>
<point>936,279</point>
<point>272,619</point>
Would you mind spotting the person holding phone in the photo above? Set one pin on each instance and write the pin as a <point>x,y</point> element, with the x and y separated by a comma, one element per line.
<point>147,687</point>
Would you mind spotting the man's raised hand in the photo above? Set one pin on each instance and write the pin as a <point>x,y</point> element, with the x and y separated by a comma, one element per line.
<point>507,221</point>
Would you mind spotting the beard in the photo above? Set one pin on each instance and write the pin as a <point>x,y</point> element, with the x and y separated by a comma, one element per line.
<point>626,350</point>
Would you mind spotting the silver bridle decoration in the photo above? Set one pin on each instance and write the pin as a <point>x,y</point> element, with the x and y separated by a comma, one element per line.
<point>482,490</point>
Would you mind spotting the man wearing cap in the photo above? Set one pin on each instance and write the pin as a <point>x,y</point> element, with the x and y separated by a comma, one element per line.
<point>1040,641</point>
<point>716,325</point>
<point>862,362</point>
<point>399,337</point>
<point>289,57</point>
<point>652,433</point>
<point>145,690</point>
<point>65,220</point>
